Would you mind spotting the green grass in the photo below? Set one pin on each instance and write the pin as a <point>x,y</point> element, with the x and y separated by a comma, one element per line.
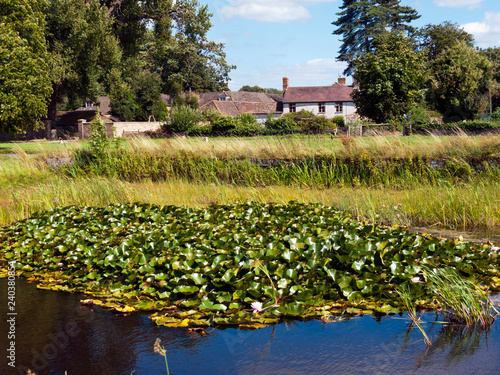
<point>27,185</point>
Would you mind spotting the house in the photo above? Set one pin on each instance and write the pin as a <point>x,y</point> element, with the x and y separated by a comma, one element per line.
<point>328,101</point>
<point>234,103</point>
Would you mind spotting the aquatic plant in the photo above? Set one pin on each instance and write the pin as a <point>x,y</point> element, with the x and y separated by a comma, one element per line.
<point>207,266</point>
<point>158,349</point>
<point>463,301</point>
<point>411,310</point>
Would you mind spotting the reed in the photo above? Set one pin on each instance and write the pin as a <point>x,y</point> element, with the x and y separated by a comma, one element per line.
<point>462,300</point>
<point>411,311</point>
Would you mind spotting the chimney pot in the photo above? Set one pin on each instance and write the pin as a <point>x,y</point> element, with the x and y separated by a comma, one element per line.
<point>285,84</point>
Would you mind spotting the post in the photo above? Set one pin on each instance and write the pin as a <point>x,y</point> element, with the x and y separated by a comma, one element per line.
<point>81,131</point>
<point>48,128</point>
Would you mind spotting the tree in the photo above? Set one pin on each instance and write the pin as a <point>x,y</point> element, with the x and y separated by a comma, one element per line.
<point>24,79</point>
<point>460,75</point>
<point>86,55</point>
<point>361,21</point>
<point>187,57</point>
<point>101,46</point>
<point>434,39</point>
<point>493,55</point>
<point>389,79</point>
<point>249,88</point>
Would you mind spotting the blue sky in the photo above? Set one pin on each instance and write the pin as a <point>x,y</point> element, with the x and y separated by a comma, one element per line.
<point>269,39</point>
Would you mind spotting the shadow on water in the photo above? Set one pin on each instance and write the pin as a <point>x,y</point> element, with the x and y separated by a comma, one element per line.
<point>55,334</point>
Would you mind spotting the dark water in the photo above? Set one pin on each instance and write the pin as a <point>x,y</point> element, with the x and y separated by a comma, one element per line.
<point>54,334</point>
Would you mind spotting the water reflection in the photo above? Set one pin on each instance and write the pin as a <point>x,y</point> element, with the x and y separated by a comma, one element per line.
<point>54,334</point>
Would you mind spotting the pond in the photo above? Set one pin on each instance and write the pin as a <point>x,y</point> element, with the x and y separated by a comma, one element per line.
<point>54,335</point>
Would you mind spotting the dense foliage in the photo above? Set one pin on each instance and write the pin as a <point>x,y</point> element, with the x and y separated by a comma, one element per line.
<point>460,74</point>
<point>69,51</point>
<point>361,21</point>
<point>211,264</point>
<point>389,79</point>
<point>24,65</point>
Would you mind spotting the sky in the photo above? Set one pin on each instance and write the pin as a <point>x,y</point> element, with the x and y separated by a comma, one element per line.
<point>270,39</point>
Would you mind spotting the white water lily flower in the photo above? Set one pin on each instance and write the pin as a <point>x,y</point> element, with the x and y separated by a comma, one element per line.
<point>415,279</point>
<point>256,306</point>
<point>495,248</point>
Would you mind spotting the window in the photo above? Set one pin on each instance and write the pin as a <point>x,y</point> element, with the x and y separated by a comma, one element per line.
<point>321,108</point>
<point>292,107</point>
<point>222,98</point>
<point>339,107</point>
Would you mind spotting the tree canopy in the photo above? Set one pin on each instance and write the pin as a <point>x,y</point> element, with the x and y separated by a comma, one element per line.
<point>460,75</point>
<point>360,22</point>
<point>256,88</point>
<point>75,50</point>
<point>24,68</point>
<point>389,79</point>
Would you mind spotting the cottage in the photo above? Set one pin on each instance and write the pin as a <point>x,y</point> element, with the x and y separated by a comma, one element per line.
<point>234,103</point>
<point>328,101</point>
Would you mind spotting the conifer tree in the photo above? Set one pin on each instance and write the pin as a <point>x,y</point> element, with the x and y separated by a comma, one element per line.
<point>361,21</point>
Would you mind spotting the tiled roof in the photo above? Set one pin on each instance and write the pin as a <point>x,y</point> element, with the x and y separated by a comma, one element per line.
<point>333,93</point>
<point>238,96</point>
<point>229,108</point>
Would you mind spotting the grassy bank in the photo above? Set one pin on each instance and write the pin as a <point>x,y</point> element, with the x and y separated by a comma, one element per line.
<point>27,185</point>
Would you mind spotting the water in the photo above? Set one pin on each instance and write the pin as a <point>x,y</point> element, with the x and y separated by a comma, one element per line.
<point>478,235</point>
<point>55,334</point>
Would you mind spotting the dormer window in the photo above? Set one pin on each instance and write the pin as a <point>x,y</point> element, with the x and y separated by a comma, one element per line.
<point>88,103</point>
<point>223,98</point>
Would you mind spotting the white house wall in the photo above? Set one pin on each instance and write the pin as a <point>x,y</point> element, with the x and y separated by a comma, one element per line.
<point>348,109</point>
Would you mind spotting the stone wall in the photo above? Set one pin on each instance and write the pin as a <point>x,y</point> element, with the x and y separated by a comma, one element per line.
<point>119,129</point>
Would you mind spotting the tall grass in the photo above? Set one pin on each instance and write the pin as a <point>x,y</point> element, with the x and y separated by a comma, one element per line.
<point>462,300</point>
<point>192,172</point>
<point>411,311</point>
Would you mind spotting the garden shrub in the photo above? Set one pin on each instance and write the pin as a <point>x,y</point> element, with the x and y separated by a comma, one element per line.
<point>98,140</point>
<point>339,121</point>
<point>282,125</point>
<point>182,119</point>
<point>223,125</point>
<point>315,124</point>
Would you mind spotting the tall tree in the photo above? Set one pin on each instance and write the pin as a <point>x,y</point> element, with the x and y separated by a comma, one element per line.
<point>493,55</point>
<point>86,54</point>
<point>24,79</point>
<point>361,21</point>
<point>460,75</point>
<point>434,39</point>
<point>389,79</point>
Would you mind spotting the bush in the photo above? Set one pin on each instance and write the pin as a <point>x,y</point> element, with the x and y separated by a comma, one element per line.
<point>98,140</point>
<point>246,119</point>
<point>282,125</point>
<point>316,124</point>
<point>182,119</point>
<point>210,115</point>
<point>339,121</point>
<point>223,125</point>
<point>203,130</point>
<point>302,115</point>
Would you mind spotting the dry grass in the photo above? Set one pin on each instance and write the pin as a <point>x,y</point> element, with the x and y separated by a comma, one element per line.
<point>295,147</point>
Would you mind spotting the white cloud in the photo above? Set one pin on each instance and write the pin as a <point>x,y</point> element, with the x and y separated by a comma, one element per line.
<point>487,32</point>
<point>458,3</point>
<point>269,10</point>
<point>316,72</point>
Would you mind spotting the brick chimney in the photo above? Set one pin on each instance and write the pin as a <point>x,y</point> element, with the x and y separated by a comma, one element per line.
<point>285,84</point>
<point>342,81</point>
